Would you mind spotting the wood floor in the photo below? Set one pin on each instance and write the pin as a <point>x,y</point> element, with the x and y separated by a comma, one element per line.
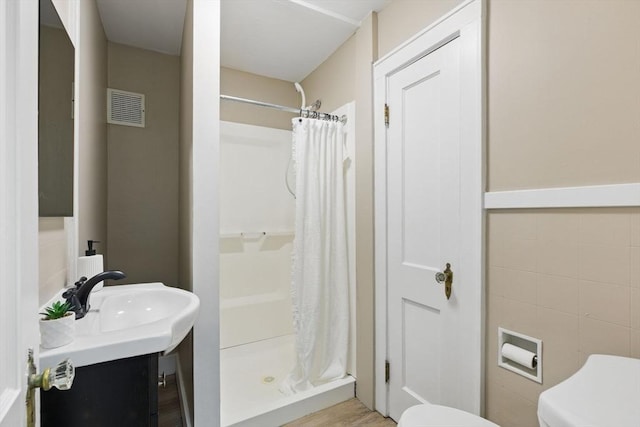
<point>349,413</point>
<point>169,411</point>
<point>345,414</point>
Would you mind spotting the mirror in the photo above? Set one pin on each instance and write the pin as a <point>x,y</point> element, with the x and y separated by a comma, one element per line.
<point>55,115</point>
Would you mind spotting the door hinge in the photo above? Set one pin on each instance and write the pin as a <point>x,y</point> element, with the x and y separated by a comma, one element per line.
<point>386,115</point>
<point>387,369</point>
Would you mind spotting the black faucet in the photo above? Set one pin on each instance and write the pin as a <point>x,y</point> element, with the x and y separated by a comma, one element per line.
<point>78,297</point>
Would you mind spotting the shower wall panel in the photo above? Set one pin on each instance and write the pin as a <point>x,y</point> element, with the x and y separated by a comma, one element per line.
<point>256,227</point>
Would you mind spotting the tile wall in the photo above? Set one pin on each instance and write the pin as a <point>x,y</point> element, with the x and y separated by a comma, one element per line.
<point>569,277</point>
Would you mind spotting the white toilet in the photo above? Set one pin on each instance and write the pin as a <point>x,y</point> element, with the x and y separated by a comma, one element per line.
<point>427,415</point>
<point>604,392</point>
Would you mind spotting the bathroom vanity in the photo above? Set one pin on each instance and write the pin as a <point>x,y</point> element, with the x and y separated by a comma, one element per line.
<point>116,393</point>
<point>115,353</point>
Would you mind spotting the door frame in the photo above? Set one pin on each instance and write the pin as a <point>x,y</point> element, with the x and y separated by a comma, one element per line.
<point>468,22</point>
<point>18,202</point>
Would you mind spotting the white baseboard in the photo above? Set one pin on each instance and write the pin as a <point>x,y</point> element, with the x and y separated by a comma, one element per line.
<point>182,394</point>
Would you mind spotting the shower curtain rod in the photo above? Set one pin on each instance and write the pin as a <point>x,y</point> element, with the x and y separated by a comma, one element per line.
<point>303,113</point>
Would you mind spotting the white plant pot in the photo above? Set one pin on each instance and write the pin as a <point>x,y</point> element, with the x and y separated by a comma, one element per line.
<point>58,332</point>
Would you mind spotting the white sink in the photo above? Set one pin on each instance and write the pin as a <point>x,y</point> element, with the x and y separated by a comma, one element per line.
<point>126,321</point>
<point>140,306</point>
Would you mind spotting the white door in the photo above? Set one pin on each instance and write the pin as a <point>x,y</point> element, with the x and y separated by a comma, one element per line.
<point>428,213</point>
<point>18,202</point>
<point>423,228</point>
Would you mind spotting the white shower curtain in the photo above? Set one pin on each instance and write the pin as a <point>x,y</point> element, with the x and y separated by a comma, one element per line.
<point>320,278</point>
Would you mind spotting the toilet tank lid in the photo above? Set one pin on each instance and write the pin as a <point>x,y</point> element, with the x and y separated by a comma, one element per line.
<point>604,392</point>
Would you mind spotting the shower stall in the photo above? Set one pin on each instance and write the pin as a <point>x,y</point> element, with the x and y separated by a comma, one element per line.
<point>257,232</point>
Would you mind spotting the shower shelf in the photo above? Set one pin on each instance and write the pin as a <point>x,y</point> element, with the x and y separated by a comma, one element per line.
<point>255,235</point>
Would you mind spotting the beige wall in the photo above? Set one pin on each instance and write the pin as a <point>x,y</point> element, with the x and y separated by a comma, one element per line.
<point>91,83</point>
<point>333,82</point>
<point>562,112</point>
<point>143,168</point>
<point>259,88</point>
<point>564,93</point>
<point>568,277</point>
<point>52,257</point>
<point>402,19</point>
<point>185,349</point>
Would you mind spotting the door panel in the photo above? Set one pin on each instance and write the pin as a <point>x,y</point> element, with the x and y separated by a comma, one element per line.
<point>421,359</point>
<point>421,226</point>
<point>423,187</point>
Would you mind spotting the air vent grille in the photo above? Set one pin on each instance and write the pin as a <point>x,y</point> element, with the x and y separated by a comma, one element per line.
<point>125,108</point>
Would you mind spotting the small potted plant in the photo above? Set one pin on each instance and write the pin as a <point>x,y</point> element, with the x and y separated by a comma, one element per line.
<point>57,327</point>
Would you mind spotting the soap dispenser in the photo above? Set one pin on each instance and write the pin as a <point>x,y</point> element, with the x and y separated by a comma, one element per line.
<point>91,264</point>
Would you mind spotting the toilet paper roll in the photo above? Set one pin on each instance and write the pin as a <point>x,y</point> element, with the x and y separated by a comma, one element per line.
<point>89,266</point>
<point>519,355</point>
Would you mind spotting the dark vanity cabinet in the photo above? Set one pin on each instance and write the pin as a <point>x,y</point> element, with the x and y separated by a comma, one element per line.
<point>121,393</point>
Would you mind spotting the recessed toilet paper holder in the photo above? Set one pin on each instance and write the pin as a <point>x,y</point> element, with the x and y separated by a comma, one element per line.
<point>520,353</point>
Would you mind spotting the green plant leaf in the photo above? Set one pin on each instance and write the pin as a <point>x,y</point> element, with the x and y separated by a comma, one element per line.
<point>56,310</point>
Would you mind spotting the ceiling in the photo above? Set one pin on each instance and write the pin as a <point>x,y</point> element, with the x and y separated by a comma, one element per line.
<point>148,24</point>
<point>284,39</point>
<point>287,39</point>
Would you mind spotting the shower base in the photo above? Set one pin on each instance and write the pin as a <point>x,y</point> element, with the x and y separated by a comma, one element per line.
<point>250,375</point>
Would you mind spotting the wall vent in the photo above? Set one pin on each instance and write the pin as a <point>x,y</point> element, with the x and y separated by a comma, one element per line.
<point>125,108</point>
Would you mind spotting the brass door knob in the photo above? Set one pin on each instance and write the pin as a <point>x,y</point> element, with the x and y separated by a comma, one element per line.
<point>446,277</point>
<point>60,376</point>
